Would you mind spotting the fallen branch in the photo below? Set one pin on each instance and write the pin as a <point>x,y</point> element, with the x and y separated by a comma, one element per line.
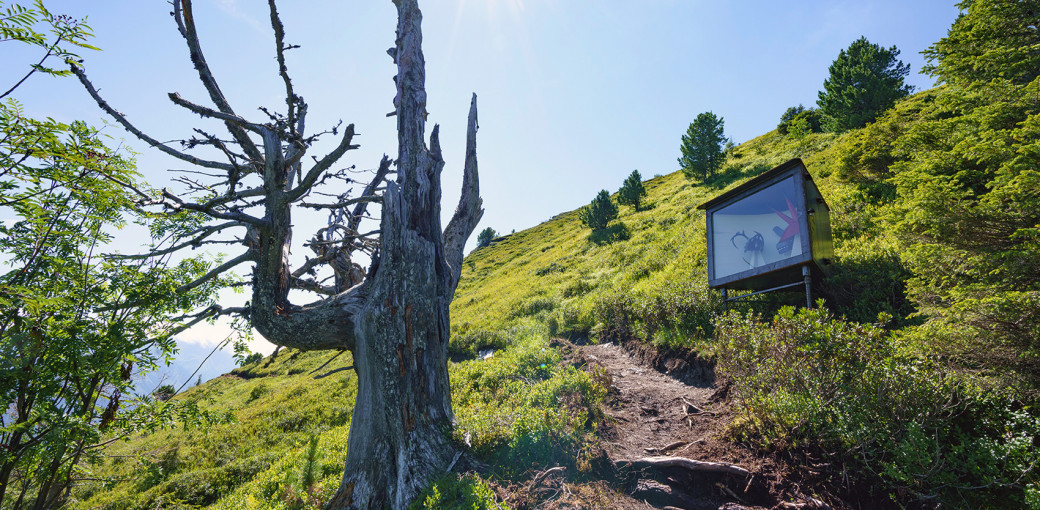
<point>691,465</point>
<point>809,503</point>
<point>546,473</point>
<point>689,408</point>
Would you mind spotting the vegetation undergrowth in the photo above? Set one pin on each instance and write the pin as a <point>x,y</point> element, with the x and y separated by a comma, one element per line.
<point>556,280</point>
<point>912,429</point>
<point>522,409</point>
<point>284,442</point>
<point>468,491</point>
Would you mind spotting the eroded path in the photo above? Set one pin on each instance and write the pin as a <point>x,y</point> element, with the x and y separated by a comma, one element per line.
<point>673,411</point>
<point>650,410</point>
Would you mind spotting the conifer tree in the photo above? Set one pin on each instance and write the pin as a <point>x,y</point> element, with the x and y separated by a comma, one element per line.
<point>702,146</point>
<point>632,190</point>
<point>599,213</point>
<point>865,80</point>
<point>485,237</point>
<point>991,39</point>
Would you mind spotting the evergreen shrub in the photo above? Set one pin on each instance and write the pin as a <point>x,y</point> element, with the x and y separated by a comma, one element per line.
<point>810,382</point>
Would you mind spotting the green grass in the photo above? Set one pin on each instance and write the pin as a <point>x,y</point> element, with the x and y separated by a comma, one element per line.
<point>653,285</point>
<point>275,410</point>
<point>519,410</point>
<point>286,441</point>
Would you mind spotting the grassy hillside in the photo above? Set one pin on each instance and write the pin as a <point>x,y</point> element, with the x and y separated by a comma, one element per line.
<point>886,384</point>
<point>553,278</point>
<point>561,275</point>
<point>279,436</point>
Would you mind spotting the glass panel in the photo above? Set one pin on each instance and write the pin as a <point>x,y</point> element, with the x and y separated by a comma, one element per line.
<point>759,229</point>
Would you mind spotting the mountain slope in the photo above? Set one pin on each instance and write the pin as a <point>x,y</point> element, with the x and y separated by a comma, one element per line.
<point>521,405</point>
<point>548,278</point>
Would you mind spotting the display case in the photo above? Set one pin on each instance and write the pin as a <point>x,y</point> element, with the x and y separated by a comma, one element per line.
<point>766,232</point>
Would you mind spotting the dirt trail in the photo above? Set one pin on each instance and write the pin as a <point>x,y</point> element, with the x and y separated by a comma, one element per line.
<point>675,412</point>
<point>646,406</point>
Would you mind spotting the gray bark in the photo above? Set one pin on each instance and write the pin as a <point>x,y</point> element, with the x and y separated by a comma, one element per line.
<point>400,436</point>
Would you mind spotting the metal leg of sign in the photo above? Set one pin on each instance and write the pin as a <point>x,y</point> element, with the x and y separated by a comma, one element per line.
<point>725,300</point>
<point>807,276</point>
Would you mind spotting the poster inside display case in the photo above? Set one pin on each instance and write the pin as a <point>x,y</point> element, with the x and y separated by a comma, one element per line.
<point>764,229</point>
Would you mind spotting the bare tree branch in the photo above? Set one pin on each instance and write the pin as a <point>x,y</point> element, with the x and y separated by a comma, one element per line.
<point>208,112</point>
<point>194,243</point>
<point>232,197</point>
<point>121,119</point>
<point>468,212</point>
<point>345,203</point>
<point>279,39</point>
<point>370,190</point>
<point>313,286</point>
<point>174,202</point>
<point>186,25</point>
<point>232,157</point>
<point>312,175</point>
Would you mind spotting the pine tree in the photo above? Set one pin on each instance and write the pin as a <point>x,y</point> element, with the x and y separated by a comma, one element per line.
<point>865,80</point>
<point>632,190</point>
<point>485,237</point>
<point>599,213</point>
<point>702,145</point>
<point>799,119</point>
<point>992,39</point>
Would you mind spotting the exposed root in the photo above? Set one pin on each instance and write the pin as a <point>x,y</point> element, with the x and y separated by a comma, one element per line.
<point>545,474</point>
<point>666,448</point>
<point>690,465</point>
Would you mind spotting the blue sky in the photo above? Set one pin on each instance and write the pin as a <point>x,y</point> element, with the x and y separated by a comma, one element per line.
<point>573,94</point>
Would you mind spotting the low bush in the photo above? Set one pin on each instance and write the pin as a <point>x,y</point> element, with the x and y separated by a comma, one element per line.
<point>523,408</point>
<point>303,478</point>
<point>577,288</point>
<point>616,232</point>
<point>468,491</point>
<point>570,321</point>
<point>808,381</point>
<point>469,343</point>
<point>678,315</point>
<point>870,278</point>
<point>201,487</point>
<point>533,306</point>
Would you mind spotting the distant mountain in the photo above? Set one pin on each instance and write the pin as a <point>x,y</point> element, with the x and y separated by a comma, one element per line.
<point>190,358</point>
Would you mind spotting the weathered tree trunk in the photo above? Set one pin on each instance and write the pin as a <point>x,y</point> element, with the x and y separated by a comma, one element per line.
<point>400,433</point>
<point>400,436</point>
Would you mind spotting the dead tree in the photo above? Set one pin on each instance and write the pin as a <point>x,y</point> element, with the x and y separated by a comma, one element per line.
<point>395,321</point>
